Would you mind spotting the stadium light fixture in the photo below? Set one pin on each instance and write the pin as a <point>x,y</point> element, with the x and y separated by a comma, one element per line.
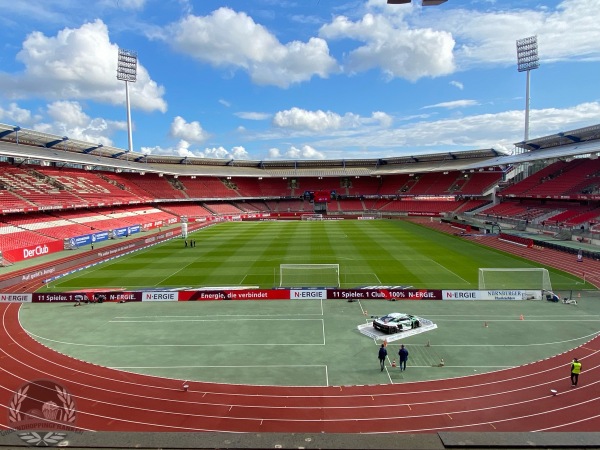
<point>527,60</point>
<point>127,72</point>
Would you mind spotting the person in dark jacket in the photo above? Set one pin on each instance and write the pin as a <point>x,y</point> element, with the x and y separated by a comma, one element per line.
<point>402,357</point>
<point>382,356</point>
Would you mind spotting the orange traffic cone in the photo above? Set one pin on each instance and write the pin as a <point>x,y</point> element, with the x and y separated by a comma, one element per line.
<point>385,343</point>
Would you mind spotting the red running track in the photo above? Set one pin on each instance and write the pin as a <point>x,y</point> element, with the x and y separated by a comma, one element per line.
<point>516,399</point>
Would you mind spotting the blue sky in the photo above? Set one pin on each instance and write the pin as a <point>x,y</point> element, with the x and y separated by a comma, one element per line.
<point>299,79</point>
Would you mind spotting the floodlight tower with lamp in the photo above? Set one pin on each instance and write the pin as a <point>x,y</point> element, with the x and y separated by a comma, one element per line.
<point>127,72</point>
<point>527,60</point>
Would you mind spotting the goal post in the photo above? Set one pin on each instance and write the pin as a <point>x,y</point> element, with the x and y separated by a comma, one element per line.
<point>311,217</point>
<point>309,275</point>
<point>524,278</point>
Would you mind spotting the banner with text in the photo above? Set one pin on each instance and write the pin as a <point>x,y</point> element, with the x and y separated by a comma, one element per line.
<point>492,294</point>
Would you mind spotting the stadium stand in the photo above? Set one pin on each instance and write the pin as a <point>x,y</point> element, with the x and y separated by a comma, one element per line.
<point>358,186</point>
<point>208,187</point>
<point>350,205</point>
<point>152,185</point>
<point>222,208</point>
<point>48,225</point>
<point>10,201</point>
<point>476,184</point>
<point>185,209</point>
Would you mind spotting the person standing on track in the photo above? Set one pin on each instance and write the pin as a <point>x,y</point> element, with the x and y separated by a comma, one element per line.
<point>382,356</point>
<point>402,357</point>
<point>575,371</point>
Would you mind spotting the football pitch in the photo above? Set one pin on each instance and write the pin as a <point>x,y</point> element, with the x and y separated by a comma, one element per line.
<point>249,254</point>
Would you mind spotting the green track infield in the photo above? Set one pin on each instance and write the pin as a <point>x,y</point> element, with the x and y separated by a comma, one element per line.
<point>309,342</point>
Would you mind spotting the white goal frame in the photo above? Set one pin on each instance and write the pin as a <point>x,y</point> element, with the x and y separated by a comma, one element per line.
<point>516,281</point>
<point>311,217</point>
<point>313,275</point>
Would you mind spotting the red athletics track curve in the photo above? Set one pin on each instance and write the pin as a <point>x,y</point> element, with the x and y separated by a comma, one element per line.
<point>516,399</point>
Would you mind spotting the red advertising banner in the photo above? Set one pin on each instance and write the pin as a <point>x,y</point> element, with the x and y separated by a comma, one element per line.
<point>385,294</point>
<point>33,251</point>
<point>91,296</point>
<point>235,294</point>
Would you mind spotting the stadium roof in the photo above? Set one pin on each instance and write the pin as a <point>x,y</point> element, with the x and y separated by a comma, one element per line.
<point>24,144</point>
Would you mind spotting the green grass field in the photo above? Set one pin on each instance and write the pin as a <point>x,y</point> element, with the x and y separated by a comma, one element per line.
<point>375,252</point>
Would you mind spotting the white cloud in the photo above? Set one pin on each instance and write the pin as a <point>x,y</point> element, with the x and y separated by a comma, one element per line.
<point>16,115</point>
<point>384,119</point>
<point>488,37</point>
<point>301,119</point>
<point>304,152</point>
<point>249,115</point>
<point>274,153</point>
<point>188,131</point>
<point>230,39</point>
<point>184,148</point>
<point>398,50</point>
<point>78,64</point>
<point>453,104</point>
<point>69,119</point>
<point>468,132</point>
<point>457,84</point>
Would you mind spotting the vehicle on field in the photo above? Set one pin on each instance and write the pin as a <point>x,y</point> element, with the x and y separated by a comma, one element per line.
<point>396,322</point>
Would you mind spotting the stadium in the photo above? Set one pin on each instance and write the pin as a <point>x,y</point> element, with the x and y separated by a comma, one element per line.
<point>162,301</point>
<point>72,211</point>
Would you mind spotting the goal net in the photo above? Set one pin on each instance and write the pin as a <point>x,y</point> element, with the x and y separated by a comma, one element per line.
<point>309,275</point>
<point>530,278</point>
<point>312,217</point>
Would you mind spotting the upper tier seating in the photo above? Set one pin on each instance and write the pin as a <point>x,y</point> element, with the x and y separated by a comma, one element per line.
<point>153,185</point>
<point>88,185</point>
<point>207,187</point>
<point>35,189</point>
<point>478,183</point>
<point>363,185</point>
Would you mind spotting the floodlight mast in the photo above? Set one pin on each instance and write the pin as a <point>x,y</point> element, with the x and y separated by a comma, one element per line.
<point>127,72</point>
<point>527,60</point>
